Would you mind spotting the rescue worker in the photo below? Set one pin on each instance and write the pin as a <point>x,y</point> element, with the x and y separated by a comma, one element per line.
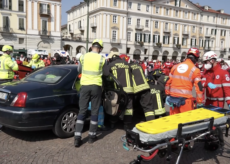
<point>216,81</point>
<point>157,90</point>
<point>157,65</point>
<point>121,70</point>
<point>180,84</point>
<point>167,67</point>
<point>36,62</point>
<point>7,66</point>
<point>91,66</point>
<point>142,90</point>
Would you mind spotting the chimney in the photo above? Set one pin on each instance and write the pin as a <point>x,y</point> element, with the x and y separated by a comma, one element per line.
<point>206,7</point>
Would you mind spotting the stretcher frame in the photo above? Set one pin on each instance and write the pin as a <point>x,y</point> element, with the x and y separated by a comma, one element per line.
<point>153,148</point>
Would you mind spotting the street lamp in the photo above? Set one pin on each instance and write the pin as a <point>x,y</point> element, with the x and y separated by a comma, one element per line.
<point>87,37</point>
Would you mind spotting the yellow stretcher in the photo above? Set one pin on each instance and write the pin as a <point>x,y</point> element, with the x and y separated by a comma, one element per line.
<point>167,134</point>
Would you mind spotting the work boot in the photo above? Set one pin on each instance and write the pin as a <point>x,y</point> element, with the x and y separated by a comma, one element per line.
<point>102,128</point>
<point>77,141</point>
<point>92,139</point>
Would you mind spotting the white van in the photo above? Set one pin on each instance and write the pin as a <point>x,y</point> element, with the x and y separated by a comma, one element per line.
<point>31,52</point>
<point>62,53</point>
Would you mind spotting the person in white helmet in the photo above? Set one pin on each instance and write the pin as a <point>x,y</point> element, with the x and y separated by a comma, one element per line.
<point>216,81</point>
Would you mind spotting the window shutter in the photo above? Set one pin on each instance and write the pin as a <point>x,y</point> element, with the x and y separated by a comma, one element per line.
<point>144,37</point>
<point>40,6</point>
<point>48,6</point>
<point>154,38</point>
<point>163,39</point>
<point>205,43</point>
<point>158,38</point>
<point>180,3</point>
<point>174,40</point>
<point>140,37</point>
<point>183,41</point>
<point>225,33</point>
<point>168,39</point>
<point>175,2</point>
<point>191,42</point>
<point>4,21</point>
<point>7,22</point>
<point>149,38</point>
<point>135,36</point>
<point>208,43</point>
<point>215,31</point>
<point>178,40</point>
<point>195,42</point>
<point>10,4</point>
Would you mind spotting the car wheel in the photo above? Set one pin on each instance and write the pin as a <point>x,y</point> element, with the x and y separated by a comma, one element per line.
<point>65,124</point>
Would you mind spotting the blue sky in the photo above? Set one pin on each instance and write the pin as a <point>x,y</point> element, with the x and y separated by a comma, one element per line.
<point>214,4</point>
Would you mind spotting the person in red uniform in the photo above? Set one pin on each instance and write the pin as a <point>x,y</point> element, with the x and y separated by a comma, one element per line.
<point>167,67</point>
<point>19,62</point>
<point>157,65</point>
<point>216,81</point>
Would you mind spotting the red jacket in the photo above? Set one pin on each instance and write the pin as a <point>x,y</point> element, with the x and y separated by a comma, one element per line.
<point>157,65</point>
<point>19,62</point>
<point>168,65</point>
<point>221,79</point>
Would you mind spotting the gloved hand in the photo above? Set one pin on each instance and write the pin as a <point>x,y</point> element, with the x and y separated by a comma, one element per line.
<point>33,67</point>
<point>211,86</point>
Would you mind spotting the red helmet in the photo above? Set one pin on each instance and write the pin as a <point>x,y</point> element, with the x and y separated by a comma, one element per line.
<point>194,51</point>
<point>123,56</point>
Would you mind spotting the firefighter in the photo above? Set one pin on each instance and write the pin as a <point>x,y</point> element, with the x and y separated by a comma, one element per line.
<point>36,62</point>
<point>91,68</point>
<point>121,70</point>
<point>157,90</point>
<point>142,91</point>
<point>180,84</point>
<point>216,81</point>
<point>7,66</point>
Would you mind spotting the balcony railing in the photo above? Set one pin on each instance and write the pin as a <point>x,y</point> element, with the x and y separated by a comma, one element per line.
<point>139,43</point>
<point>157,45</point>
<point>6,29</point>
<point>167,30</point>
<point>185,32</point>
<point>93,25</point>
<point>139,27</point>
<point>81,28</point>
<point>5,7</point>
<point>45,11</point>
<point>44,33</point>
<point>115,41</point>
<point>178,46</point>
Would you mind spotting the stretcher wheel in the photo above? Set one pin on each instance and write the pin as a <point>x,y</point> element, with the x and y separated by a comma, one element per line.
<point>162,153</point>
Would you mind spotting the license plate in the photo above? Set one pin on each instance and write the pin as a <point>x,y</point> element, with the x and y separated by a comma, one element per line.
<point>3,96</point>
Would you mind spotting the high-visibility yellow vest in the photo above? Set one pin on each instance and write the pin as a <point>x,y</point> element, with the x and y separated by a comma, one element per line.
<point>7,66</point>
<point>92,64</point>
<point>38,64</point>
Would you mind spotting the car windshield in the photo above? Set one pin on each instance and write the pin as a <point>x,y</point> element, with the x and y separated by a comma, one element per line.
<point>48,75</point>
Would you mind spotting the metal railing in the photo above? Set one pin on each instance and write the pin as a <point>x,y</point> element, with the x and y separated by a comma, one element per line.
<point>139,27</point>
<point>44,32</point>
<point>6,29</point>
<point>115,41</point>
<point>93,24</point>
<point>81,28</point>
<point>45,11</point>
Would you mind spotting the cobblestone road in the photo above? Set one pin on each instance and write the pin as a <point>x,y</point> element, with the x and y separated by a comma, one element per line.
<point>44,148</point>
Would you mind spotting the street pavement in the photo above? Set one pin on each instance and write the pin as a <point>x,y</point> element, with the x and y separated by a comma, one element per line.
<point>43,147</point>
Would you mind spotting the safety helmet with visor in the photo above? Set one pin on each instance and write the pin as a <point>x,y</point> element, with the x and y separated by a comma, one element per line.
<point>35,57</point>
<point>209,59</point>
<point>97,43</point>
<point>7,49</point>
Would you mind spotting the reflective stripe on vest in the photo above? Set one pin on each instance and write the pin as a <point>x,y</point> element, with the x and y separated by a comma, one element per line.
<point>226,84</point>
<point>216,98</point>
<point>181,91</point>
<point>189,78</point>
<point>96,72</point>
<point>149,114</point>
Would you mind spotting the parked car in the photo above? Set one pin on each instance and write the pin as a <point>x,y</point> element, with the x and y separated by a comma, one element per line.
<point>45,99</point>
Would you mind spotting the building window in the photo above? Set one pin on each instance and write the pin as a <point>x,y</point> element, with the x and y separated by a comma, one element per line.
<point>194,16</point>
<point>115,3</point>
<point>223,33</point>
<point>114,19</point>
<point>130,5</point>
<point>6,22</point>
<point>45,9</point>
<point>79,24</point>
<point>156,38</point>
<point>147,23</point>
<point>208,18</point>
<point>177,13</point>
<point>223,21</point>
<point>114,35</point>
<point>167,2</point>
<point>206,31</point>
<point>222,44</point>
<point>129,21</point>
<point>44,26</point>
<point>184,41</point>
<point>186,14</point>
<point>138,37</point>
<point>177,3</point>
<point>138,22</point>
<point>138,6</point>
<point>146,38</point>
<point>176,27</point>
<point>175,40</point>
<point>166,26</point>
<point>157,10</point>
<point>156,24</point>
<point>21,5</point>
<point>167,11</point>
<point>212,43</point>
<point>200,30</point>
<point>201,17</point>
<point>129,36</point>
<point>165,39</point>
<point>200,43</point>
<point>214,19</point>
<point>193,42</point>
<point>185,27</point>
<point>193,29</point>
<point>21,24</point>
<point>147,8</point>
<point>20,40</point>
<point>6,4</point>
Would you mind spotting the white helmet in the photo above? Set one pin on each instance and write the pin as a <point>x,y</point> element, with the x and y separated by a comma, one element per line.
<point>209,55</point>
<point>78,56</point>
